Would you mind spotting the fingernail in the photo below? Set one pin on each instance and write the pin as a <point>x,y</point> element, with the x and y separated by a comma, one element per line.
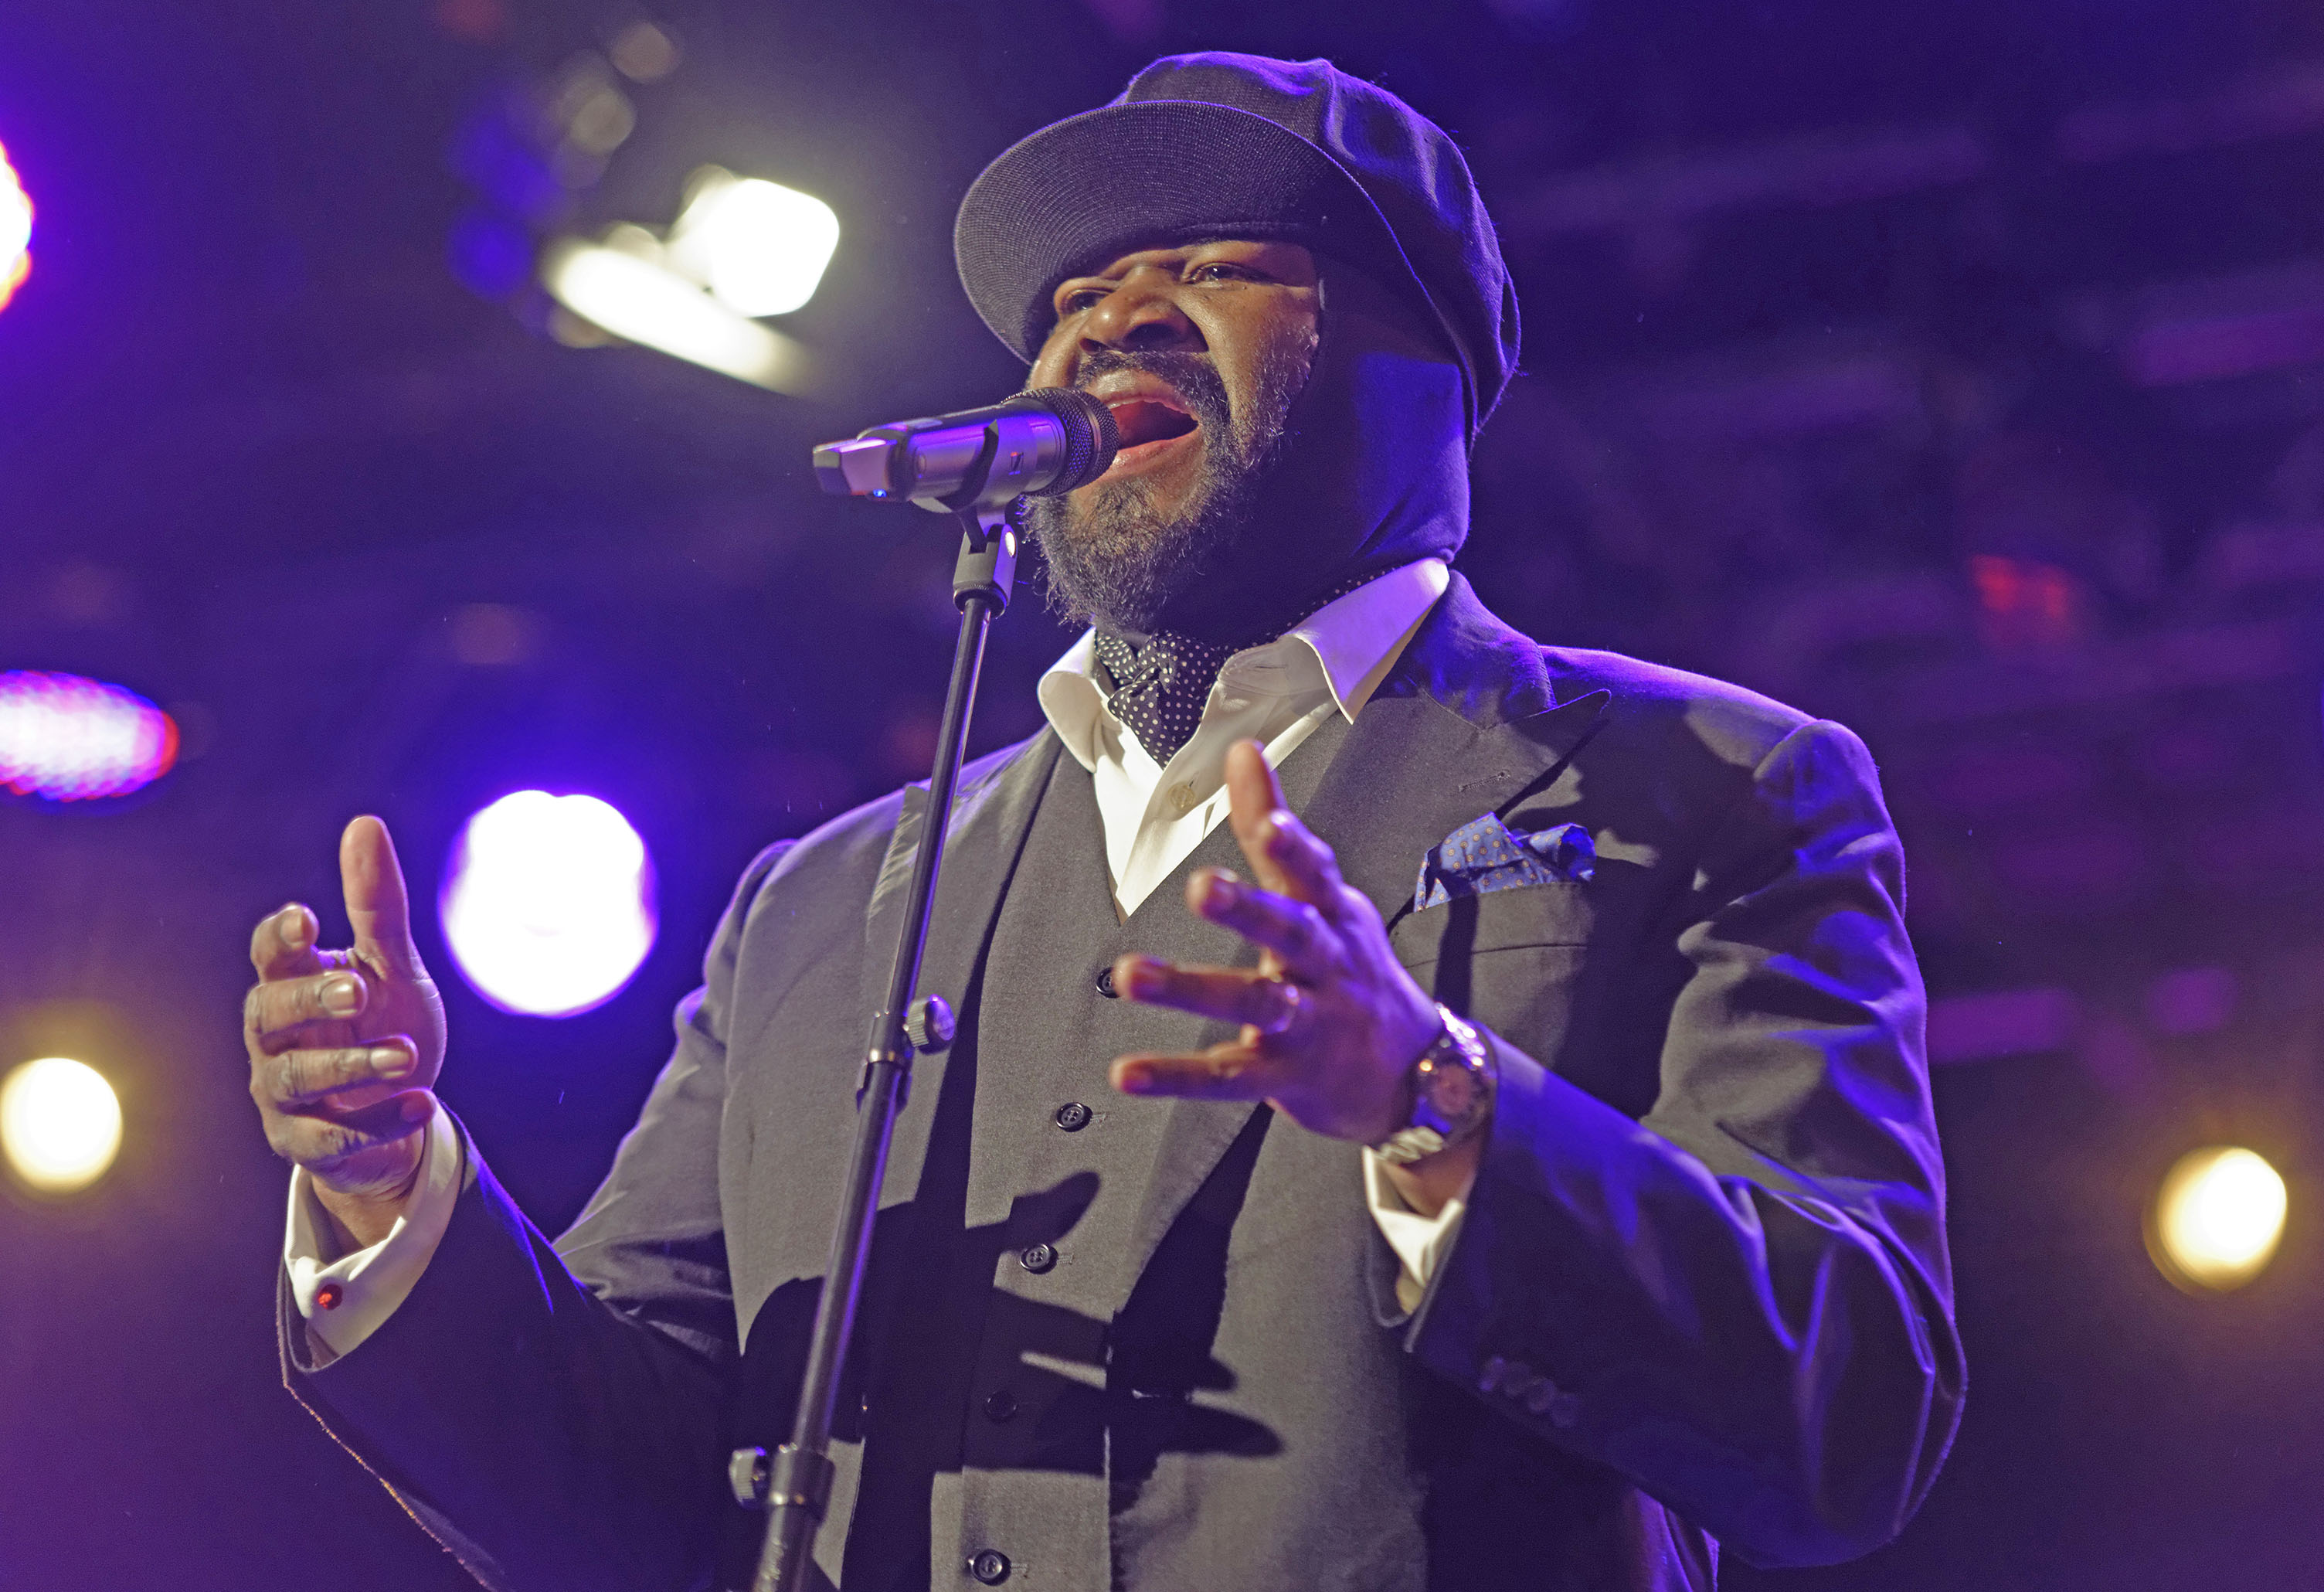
<point>342,997</point>
<point>393,1061</point>
<point>294,925</point>
<point>1221,890</point>
<point>1130,1080</point>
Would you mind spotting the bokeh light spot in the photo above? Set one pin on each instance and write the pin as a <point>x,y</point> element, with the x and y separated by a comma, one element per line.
<point>65,739</point>
<point>760,248</point>
<point>640,299</point>
<point>59,1124</point>
<point>548,903</point>
<point>15,231</point>
<point>2217,1218</point>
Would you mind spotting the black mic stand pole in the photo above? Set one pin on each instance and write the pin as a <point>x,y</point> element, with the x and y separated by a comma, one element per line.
<point>795,1484</point>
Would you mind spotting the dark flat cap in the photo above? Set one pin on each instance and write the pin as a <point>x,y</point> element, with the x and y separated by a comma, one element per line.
<point>1217,145</point>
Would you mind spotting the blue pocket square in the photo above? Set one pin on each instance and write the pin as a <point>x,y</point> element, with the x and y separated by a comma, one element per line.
<point>1483,855</point>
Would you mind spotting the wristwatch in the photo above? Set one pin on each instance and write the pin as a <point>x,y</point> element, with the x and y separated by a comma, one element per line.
<point>1453,1088</point>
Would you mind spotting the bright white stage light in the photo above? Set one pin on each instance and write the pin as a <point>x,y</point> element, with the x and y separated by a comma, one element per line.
<point>59,1124</point>
<point>549,904</point>
<point>15,231</point>
<point>642,301</point>
<point>2217,1218</point>
<point>760,248</point>
<point>65,739</point>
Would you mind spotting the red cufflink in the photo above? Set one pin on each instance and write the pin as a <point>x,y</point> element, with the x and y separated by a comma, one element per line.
<point>329,1295</point>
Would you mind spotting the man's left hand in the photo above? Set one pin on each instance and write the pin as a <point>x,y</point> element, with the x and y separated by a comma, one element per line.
<point>1332,1023</point>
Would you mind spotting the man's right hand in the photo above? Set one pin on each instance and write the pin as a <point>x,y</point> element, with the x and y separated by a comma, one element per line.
<point>346,1045</point>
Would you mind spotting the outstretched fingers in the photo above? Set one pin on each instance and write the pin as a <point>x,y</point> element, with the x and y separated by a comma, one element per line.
<point>1284,853</point>
<point>1227,994</point>
<point>282,946</point>
<point>1236,1071</point>
<point>1254,797</point>
<point>1298,932</point>
<point>302,1079</point>
<point>273,1009</point>
<point>378,908</point>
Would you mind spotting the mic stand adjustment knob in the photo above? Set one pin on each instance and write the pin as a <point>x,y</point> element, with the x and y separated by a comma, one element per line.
<point>929,1025</point>
<point>746,1473</point>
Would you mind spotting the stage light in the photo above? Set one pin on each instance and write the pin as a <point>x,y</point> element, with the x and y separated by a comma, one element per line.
<point>16,232</point>
<point>59,1124</point>
<point>549,904</point>
<point>760,248</point>
<point>637,298</point>
<point>644,54</point>
<point>69,739</point>
<point>2215,1220</point>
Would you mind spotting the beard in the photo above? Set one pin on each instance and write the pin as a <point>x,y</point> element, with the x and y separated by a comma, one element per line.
<point>1116,556</point>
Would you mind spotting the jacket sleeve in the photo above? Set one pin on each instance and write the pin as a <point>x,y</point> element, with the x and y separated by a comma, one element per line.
<point>1743,1302</point>
<point>552,1414</point>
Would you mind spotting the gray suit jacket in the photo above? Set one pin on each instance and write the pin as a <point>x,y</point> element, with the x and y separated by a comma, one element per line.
<point>1700,1290</point>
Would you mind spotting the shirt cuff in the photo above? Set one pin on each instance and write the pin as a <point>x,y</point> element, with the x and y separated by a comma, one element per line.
<point>1418,1241</point>
<point>344,1298</point>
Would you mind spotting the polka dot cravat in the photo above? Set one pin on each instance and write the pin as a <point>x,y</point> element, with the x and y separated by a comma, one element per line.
<point>1161,685</point>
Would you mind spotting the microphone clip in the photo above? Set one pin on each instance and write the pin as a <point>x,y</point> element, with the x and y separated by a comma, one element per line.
<point>987,565</point>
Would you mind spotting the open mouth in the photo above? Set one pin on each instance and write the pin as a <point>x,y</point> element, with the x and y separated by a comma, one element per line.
<point>1147,420</point>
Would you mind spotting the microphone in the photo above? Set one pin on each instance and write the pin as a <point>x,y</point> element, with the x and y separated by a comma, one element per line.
<point>1037,444</point>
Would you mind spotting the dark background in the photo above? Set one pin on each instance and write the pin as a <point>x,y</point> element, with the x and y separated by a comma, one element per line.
<point>1952,370</point>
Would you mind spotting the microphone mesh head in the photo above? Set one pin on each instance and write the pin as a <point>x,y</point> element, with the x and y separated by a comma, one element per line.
<point>1090,439</point>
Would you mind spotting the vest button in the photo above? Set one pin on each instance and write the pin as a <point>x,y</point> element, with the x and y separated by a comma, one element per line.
<point>1036,1257</point>
<point>1001,1407</point>
<point>1073,1117</point>
<point>1105,983</point>
<point>988,1566</point>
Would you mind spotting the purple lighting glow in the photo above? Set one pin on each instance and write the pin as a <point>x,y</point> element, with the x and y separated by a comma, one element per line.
<point>64,738</point>
<point>548,903</point>
<point>15,231</point>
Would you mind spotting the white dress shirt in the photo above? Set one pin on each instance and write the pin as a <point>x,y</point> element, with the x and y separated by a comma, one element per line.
<point>1154,815</point>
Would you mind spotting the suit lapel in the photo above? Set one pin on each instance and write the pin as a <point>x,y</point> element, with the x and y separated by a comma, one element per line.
<point>992,812</point>
<point>1413,772</point>
<point>1469,722</point>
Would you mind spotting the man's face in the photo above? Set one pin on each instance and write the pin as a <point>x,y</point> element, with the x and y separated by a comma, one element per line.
<point>1199,350</point>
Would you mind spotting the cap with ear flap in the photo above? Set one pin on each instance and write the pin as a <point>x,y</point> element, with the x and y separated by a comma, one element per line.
<point>1224,146</point>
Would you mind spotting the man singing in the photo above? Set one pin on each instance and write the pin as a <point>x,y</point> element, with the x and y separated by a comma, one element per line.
<point>1430,1110</point>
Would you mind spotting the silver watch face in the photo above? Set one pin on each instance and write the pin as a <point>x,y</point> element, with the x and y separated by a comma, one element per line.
<point>1455,1092</point>
<point>1452,1095</point>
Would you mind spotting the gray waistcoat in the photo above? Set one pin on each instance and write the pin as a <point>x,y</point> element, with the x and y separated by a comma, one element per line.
<point>1060,1363</point>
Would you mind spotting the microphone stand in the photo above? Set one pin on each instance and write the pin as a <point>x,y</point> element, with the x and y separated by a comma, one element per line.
<point>795,1484</point>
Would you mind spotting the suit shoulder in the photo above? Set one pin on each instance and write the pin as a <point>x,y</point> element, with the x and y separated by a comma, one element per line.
<point>1740,725</point>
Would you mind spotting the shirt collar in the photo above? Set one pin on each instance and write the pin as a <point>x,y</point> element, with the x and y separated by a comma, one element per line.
<point>1347,647</point>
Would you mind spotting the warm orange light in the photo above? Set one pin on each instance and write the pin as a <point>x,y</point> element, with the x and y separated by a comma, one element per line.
<point>2217,1218</point>
<point>15,231</point>
<point>59,1124</point>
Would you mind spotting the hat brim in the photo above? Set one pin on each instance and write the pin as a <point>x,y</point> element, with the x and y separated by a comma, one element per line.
<point>1083,191</point>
